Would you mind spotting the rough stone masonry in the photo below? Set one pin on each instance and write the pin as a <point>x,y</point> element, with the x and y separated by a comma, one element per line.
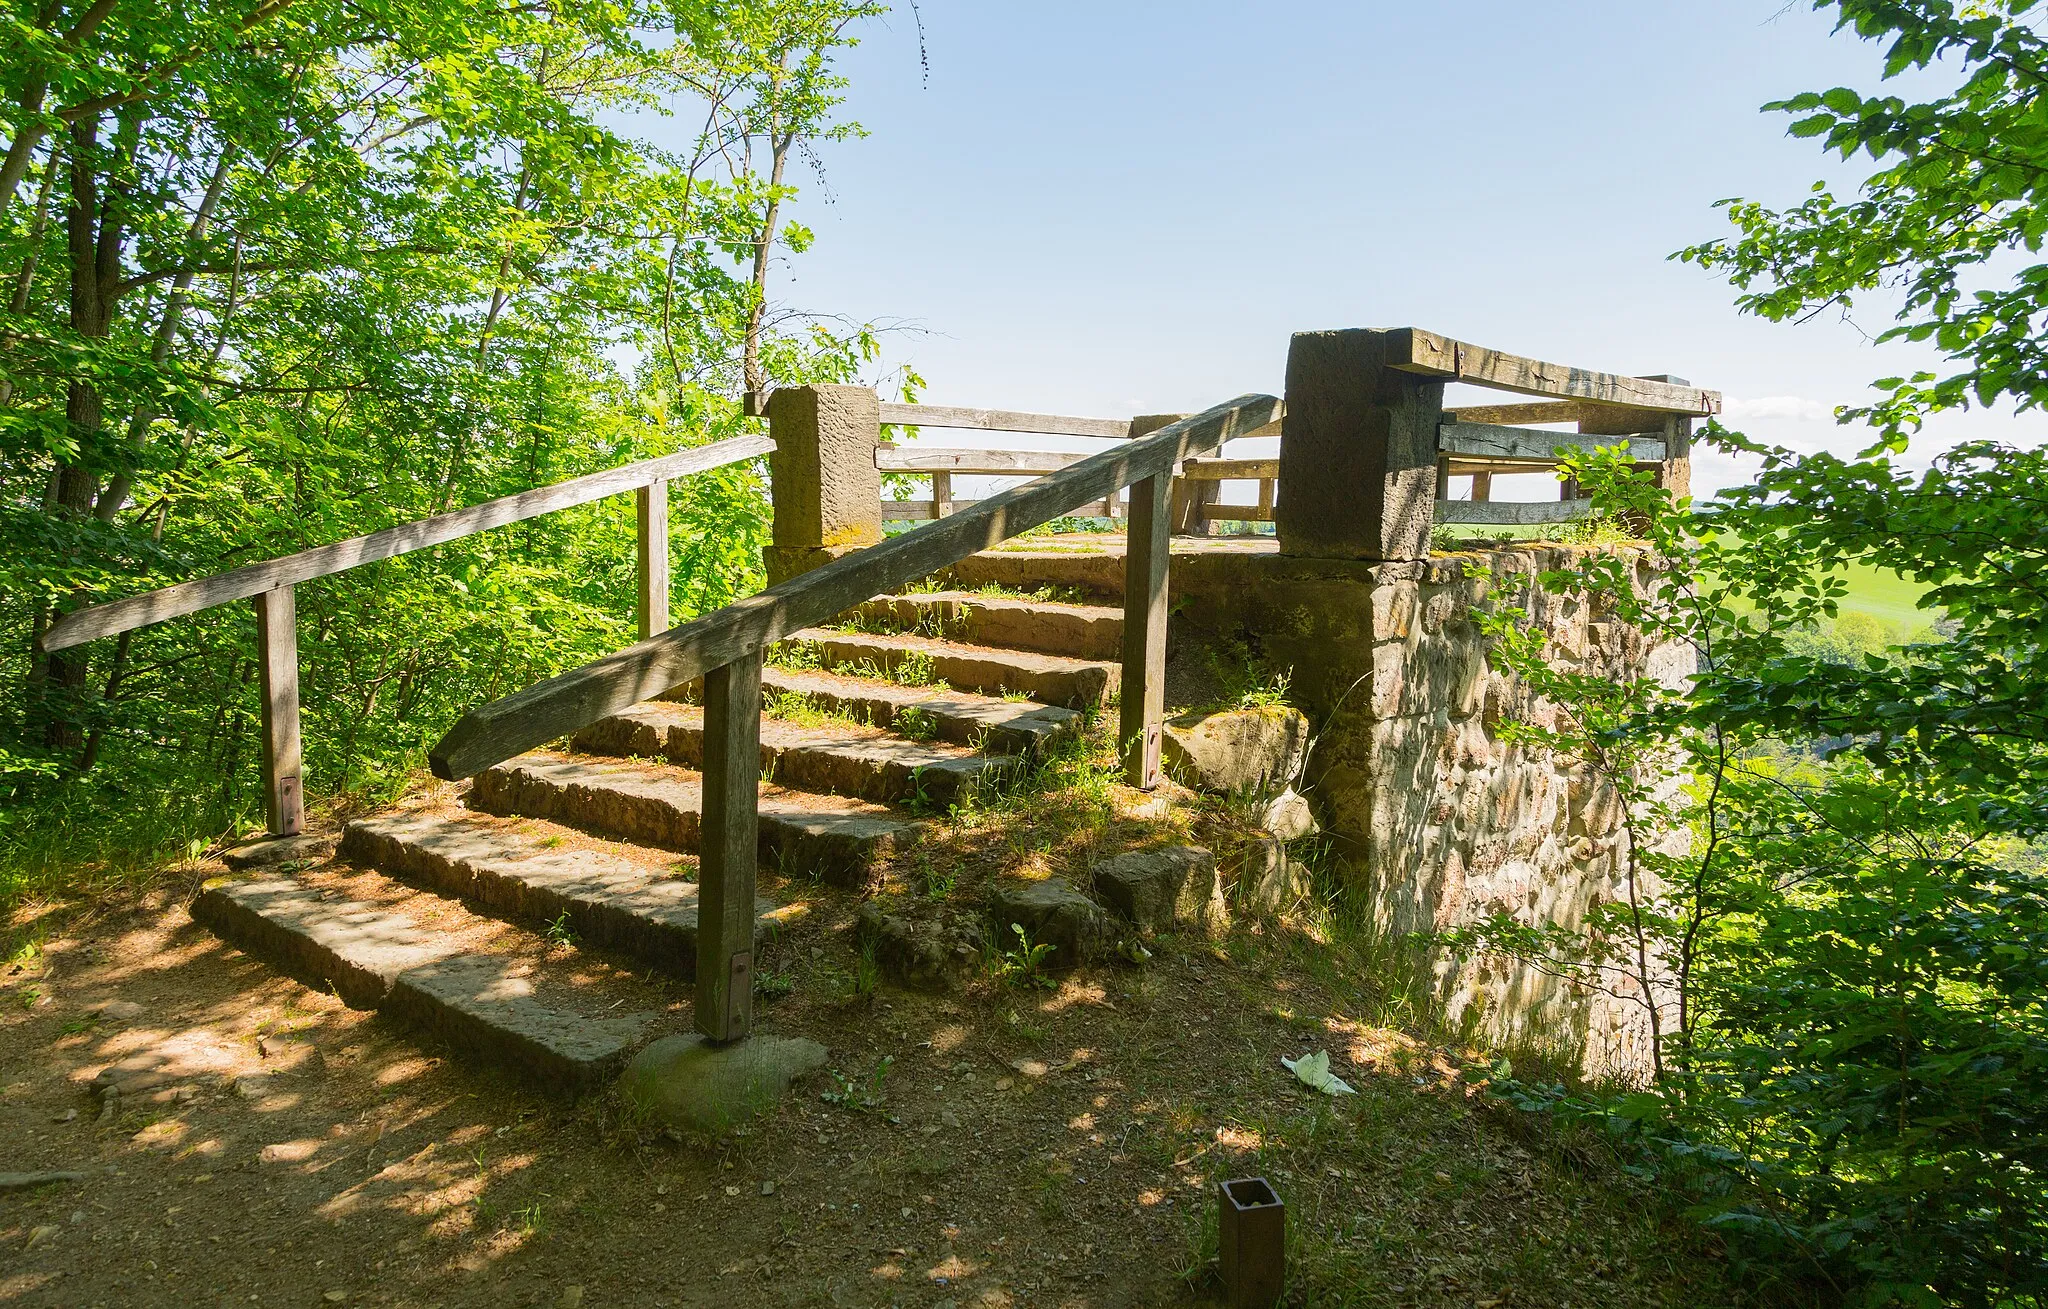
<point>1433,813</point>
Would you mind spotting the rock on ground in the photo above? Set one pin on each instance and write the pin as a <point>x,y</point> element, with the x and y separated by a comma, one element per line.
<point>1237,749</point>
<point>1288,816</point>
<point>1161,889</point>
<point>692,1083</point>
<point>1264,878</point>
<point>931,952</point>
<point>1053,913</point>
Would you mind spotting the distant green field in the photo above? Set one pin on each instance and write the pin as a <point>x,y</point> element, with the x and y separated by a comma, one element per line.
<point>1888,598</point>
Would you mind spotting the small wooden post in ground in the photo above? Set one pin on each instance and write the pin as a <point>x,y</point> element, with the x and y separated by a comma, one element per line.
<point>277,640</point>
<point>653,524</point>
<point>1358,457</point>
<point>1147,551</point>
<point>727,847</point>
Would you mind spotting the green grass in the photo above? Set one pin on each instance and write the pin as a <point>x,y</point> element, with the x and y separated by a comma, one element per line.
<point>1888,598</point>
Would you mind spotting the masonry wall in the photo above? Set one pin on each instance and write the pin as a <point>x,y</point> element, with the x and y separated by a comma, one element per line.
<point>1435,817</point>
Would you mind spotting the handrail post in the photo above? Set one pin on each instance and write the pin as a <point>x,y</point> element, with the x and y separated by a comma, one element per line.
<point>1148,547</point>
<point>822,476</point>
<point>277,658</point>
<point>653,525</point>
<point>727,848</point>
<point>1358,455</point>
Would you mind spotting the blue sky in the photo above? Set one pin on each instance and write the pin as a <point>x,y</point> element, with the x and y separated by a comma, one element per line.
<point>1115,208</point>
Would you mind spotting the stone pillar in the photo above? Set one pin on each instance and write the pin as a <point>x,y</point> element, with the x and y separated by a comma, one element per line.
<point>1358,467</point>
<point>826,489</point>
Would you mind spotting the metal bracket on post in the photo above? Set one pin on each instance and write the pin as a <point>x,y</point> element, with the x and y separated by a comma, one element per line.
<point>739,993</point>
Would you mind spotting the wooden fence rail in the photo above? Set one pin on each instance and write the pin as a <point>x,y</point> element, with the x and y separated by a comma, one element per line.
<point>270,585</point>
<point>726,648</point>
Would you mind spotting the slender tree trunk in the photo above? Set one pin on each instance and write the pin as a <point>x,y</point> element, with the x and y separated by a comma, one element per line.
<point>779,141</point>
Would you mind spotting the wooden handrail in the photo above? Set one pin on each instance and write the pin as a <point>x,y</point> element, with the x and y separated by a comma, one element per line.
<point>1413,350</point>
<point>115,616</point>
<point>492,733</point>
<point>270,585</point>
<point>1002,420</point>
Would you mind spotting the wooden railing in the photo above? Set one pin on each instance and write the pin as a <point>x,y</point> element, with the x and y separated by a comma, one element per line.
<point>726,649</point>
<point>942,465</point>
<point>270,584</point>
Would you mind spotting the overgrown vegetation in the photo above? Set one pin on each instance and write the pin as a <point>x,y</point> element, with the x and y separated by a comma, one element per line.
<point>283,274</point>
<point>1844,971</point>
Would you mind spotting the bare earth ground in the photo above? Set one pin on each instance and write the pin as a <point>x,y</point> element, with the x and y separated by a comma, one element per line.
<point>1010,1144</point>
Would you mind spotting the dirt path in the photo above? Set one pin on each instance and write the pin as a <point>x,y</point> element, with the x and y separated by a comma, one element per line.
<point>1009,1146</point>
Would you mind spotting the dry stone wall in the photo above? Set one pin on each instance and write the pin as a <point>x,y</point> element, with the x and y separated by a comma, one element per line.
<point>1434,814</point>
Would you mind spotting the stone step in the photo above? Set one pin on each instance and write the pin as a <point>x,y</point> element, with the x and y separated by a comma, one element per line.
<point>1048,627</point>
<point>1099,573</point>
<point>1018,727</point>
<point>1048,679</point>
<point>866,762</point>
<point>375,957</point>
<point>625,899</point>
<point>833,837</point>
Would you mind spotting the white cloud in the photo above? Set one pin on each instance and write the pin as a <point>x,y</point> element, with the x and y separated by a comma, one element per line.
<point>1793,408</point>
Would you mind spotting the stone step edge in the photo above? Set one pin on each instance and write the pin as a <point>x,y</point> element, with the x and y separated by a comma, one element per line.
<point>1065,681</point>
<point>979,722</point>
<point>1075,631</point>
<point>815,766</point>
<point>793,841</point>
<point>422,983</point>
<point>501,888</point>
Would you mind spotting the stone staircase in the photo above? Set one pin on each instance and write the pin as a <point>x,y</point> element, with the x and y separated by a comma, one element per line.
<point>868,728</point>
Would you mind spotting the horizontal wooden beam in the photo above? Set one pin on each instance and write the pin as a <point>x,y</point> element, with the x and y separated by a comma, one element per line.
<point>573,700</point>
<point>1238,513</point>
<point>1540,411</point>
<point>1003,420</point>
<point>1511,513</point>
<point>114,616</point>
<point>1223,470</point>
<point>971,463</point>
<point>919,511</point>
<point>1415,351</point>
<point>1493,440</point>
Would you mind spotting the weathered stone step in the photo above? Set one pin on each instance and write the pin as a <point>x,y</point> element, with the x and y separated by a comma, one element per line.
<point>962,717</point>
<point>377,958</point>
<point>1048,627</point>
<point>833,837</point>
<point>1049,679</point>
<point>859,761</point>
<point>1092,572</point>
<point>532,870</point>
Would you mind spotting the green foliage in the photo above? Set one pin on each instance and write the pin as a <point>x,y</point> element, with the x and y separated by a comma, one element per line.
<point>1848,962</point>
<point>344,267</point>
<point>1944,227</point>
<point>1024,963</point>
